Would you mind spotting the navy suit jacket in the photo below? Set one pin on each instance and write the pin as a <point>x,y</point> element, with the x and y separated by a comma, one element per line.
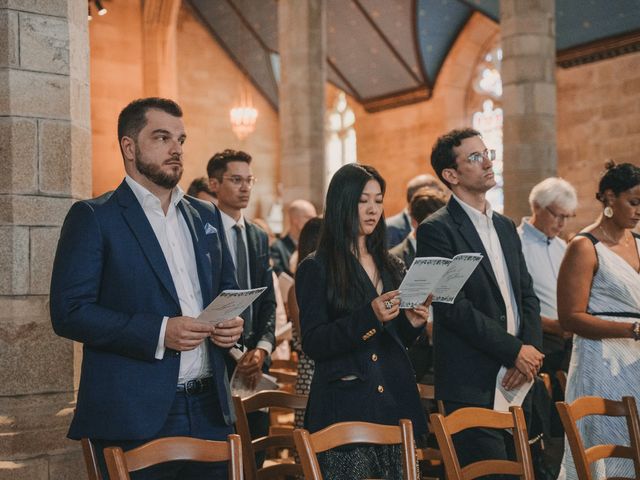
<point>398,227</point>
<point>471,341</point>
<point>110,289</point>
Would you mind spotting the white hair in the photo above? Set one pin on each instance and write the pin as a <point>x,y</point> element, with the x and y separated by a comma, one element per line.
<point>554,190</point>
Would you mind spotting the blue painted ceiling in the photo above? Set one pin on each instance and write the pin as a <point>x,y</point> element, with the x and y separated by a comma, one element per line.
<point>381,48</point>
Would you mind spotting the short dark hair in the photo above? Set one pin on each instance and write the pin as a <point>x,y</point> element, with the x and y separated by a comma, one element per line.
<point>200,185</point>
<point>618,178</point>
<point>218,163</point>
<point>425,202</point>
<point>133,117</point>
<point>442,155</point>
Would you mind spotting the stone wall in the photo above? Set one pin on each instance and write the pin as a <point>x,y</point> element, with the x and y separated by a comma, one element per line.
<point>598,118</point>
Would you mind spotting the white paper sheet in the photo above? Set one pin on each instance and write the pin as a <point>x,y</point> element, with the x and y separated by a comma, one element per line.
<point>240,385</point>
<point>507,398</point>
<point>444,277</point>
<point>229,304</point>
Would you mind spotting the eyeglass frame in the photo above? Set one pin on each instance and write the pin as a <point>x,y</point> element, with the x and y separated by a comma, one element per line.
<point>239,180</point>
<point>556,216</point>
<point>488,154</point>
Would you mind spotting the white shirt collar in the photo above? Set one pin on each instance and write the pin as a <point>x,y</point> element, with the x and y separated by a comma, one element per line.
<point>474,214</point>
<point>530,230</point>
<point>148,199</point>
<point>228,221</point>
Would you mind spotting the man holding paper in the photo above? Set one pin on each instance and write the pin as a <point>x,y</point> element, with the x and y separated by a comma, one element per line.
<point>231,178</point>
<point>493,324</point>
<point>133,269</point>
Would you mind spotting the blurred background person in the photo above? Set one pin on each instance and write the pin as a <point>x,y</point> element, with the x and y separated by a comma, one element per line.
<point>199,188</point>
<point>307,244</point>
<point>299,212</point>
<point>424,202</point>
<point>353,329</point>
<point>599,301</point>
<point>399,225</point>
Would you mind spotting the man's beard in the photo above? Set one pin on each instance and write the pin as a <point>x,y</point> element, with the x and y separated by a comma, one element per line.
<point>155,174</point>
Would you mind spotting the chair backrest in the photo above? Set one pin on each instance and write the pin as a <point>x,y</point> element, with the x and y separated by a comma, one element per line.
<point>546,379</point>
<point>168,449</point>
<point>473,417</point>
<point>586,406</point>
<point>255,402</point>
<point>345,433</point>
<point>90,461</point>
<point>561,375</point>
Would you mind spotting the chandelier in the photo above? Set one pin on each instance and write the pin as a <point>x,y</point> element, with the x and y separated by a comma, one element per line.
<point>243,114</point>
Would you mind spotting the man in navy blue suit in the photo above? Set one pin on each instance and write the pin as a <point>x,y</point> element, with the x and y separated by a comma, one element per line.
<point>133,269</point>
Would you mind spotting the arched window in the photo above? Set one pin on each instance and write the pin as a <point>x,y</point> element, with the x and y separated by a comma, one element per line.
<point>484,107</point>
<point>341,136</point>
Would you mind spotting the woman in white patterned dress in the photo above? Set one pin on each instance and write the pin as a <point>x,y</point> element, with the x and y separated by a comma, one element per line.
<point>599,301</point>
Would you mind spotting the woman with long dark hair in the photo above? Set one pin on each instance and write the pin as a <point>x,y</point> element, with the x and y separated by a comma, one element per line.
<point>599,301</point>
<point>353,328</point>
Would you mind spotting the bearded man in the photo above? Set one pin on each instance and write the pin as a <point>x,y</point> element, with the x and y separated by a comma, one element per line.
<point>133,269</point>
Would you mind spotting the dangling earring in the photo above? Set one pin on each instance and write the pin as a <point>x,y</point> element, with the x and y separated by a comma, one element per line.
<point>608,212</point>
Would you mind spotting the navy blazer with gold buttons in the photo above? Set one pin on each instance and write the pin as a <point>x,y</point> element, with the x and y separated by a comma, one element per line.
<point>362,371</point>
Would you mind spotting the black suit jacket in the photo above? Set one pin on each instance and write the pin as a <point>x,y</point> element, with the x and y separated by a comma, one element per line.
<point>280,252</point>
<point>470,336</point>
<point>398,227</point>
<point>261,324</point>
<point>404,251</point>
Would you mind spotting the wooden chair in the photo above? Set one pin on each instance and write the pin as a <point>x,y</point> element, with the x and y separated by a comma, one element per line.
<point>280,440</point>
<point>89,453</point>
<point>473,417</point>
<point>546,379</point>
<point>169,449</point>
<point>561,375</point>
<point>345,433</point>
<point>430,458</point>
<point>585,406</point>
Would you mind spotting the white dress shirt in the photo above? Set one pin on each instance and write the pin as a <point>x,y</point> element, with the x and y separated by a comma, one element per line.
<point>228,222</point>
<point>543,256</point>
<point>174,238</point>
<point>483,222</point>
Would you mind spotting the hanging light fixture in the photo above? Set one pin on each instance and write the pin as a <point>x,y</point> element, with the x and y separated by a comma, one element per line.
<point>243,115</point>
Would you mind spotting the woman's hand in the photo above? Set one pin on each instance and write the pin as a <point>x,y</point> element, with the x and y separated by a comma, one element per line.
<point>387,306</point>
<point>419,315</point>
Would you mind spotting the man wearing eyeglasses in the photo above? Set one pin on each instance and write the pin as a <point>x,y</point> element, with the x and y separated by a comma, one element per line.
<point>231,178</point>
<point>494,321</point>
<point>553,202</point>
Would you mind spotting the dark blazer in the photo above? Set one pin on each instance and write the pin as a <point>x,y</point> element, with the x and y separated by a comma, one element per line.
<point>355,345</point>
<point>280,253</point>
<point>110,289</point>
<point>398,227</point>
<point>261,325</point>
<point>404,251</point>
<point>470,336</point>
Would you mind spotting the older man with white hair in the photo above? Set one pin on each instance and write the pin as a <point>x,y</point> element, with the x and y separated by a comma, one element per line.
<point>553,201</point>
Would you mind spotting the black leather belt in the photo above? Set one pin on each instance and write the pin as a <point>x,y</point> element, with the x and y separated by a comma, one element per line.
<point>195,387</point>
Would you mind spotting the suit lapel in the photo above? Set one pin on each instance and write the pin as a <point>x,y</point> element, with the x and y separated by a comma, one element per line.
<point>252,241</point>
<point>470,235</point>
<point>203,258</point>
<point>139,224</point>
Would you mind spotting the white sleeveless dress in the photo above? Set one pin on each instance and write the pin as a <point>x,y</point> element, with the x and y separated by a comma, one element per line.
<point>608,368</point>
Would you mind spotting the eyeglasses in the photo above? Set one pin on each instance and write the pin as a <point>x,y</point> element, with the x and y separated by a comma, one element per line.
<point>238,180</point>
<point>557,216</point>
<point>477,157</point>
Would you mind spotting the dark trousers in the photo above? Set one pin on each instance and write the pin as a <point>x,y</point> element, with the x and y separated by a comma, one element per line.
<point>475,444</point>
<point>195,416</point>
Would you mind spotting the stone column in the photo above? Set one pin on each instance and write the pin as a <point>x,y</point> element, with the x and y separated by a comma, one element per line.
<point>159,25</point>
<point>529,98</point>
<point>45,163</point>
<point>302,44</point>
